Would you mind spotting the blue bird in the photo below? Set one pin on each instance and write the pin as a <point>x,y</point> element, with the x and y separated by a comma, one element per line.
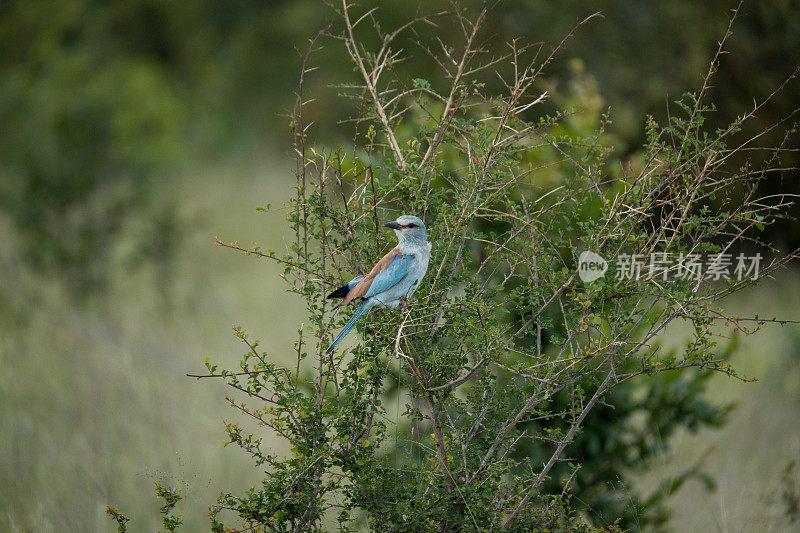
<point>394,278</point>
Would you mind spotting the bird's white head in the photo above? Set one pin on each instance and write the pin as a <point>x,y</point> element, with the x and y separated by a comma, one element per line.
<point>409,229</point>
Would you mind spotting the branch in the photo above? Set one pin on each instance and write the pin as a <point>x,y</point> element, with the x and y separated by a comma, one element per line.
<point>356,56</point>
<point>560,449</point>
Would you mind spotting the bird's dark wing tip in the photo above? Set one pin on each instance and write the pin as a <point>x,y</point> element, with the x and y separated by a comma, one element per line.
<point>341,292</point>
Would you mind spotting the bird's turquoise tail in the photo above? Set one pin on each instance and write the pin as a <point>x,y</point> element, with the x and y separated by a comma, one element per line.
<point>350,324</point>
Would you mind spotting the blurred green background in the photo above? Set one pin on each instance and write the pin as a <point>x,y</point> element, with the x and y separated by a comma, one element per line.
<point>133,131</point>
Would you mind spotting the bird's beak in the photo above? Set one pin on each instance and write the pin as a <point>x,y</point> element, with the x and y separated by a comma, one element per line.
<point>392,224</point>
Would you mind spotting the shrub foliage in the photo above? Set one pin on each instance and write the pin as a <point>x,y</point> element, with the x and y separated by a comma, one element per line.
<point>507,383</point>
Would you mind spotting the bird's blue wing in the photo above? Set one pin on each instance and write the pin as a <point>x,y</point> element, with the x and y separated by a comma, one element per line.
<point>355,281</point>
<point>394,273</point>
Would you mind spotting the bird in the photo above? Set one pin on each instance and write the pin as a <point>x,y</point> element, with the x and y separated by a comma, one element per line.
<point>393,279</point>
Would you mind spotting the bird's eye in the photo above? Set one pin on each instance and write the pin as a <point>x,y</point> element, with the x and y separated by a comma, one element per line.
<point>411,226</point>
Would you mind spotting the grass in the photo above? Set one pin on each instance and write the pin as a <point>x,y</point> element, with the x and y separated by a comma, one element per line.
<point>748,456</point>
<point>94,400</point>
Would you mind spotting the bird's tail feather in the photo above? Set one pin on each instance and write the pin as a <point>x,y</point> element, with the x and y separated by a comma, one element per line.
<point>350,324</point>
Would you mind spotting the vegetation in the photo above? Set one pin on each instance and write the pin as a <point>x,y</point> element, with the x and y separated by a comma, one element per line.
<point>506,352</point>
<point>102,101</point>
<point>128,124</point>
